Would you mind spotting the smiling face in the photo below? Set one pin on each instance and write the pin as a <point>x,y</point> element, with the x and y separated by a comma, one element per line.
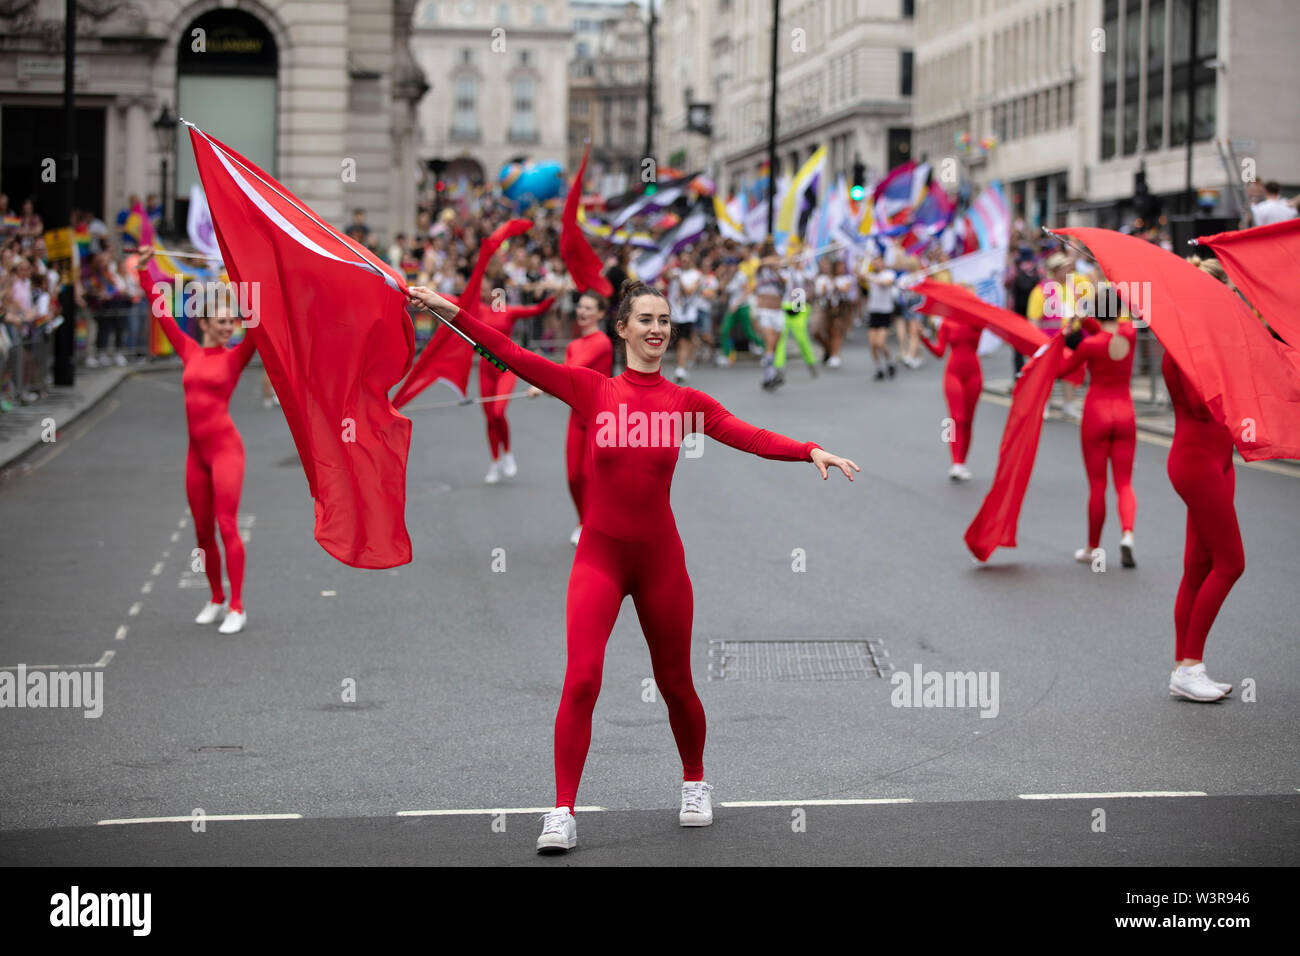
<point>646,331</point>
<point>219,325</point>
<point>587,314</point>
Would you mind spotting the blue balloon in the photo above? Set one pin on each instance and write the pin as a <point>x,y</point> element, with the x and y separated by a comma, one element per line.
<point>533,182</point>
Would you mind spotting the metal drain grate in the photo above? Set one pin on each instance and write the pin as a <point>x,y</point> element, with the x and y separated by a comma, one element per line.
<point>798,660</point>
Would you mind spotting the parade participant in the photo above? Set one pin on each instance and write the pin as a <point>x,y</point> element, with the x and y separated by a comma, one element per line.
<point>737,291</point>
<point>769,286</point>
<point>590,348</point>
<point>1108,430</point>
<point>879,282</point>
<point>798,274</point>
<point>1200,469</point>
<point>630,543</point>
<point>214,466</point>
<point>963,380</point>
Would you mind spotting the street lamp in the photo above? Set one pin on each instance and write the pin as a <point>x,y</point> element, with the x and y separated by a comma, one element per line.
<point>164,128</point>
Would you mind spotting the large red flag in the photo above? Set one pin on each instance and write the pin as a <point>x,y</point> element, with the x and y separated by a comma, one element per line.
<point>330,323</point>
<point>448,357</point>
<point>1264,263</point>
<point>582,262</point>
<point>1249,380</point>
<point>955,302</point>
<point>995,524</point>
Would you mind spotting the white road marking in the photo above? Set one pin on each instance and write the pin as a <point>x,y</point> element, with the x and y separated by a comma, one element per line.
<point>465,813</point>
<point>176,536</point>
<point>148,586</point>
<point>335,594</point>
<point>167,554</point>
<point>135,609</point>
<point>157,569</point>
<point>813,803</point>
<point>102,662</point>
<point>206,817</point>
<point>121,633</point>
<point>1118,793</point>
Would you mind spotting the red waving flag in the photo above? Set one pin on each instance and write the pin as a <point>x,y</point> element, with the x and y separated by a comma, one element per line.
<point>582,262</point>
<point>330,323</point>
<point>954,302</point>
<point>1249,380</point>
<point>995,524</point>
<point>448,357</point>
<point>1264,263</point>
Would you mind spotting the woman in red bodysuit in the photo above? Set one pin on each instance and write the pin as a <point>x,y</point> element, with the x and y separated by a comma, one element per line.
<point>629,543</point>
<point>1200,469</point>
<point>590,348</point>
<point>1108,429</point>
<point>214,467</point>
<point>962,382</point>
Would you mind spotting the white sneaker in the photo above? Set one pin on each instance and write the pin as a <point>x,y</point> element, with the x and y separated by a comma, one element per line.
<point>266,403</point>
<point>1126,552</point>
<point>1226,688</point>
<point>833,362</point>
<point>721,361</point>
<point>1083,556</point>
<point>680,374</point>
<point>1194,684</point>
<point>963,473</point>
<point>92,362</point>
<point>211,611</point>
<point>559,831</point>
<point>494,473</point>
<point>119,359</point>
<point>508,466</point>
<point>1072,410</point>
<point>577,533</point>
<point>234,622</point>
<point>697,808</point>
<point>954,473</point>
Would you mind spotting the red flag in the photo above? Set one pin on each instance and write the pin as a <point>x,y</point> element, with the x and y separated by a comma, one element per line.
<point>330,323</point>
<point>582,262</point>
<point>954,302</point>
<point>1249,380</point>
<point>995,524</point>
<point>1264,264</point>
<point>448,357</point>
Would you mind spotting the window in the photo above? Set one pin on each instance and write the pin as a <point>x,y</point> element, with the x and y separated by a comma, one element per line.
<point>525,57</point>
<point>503,13</point>
<point>464,116</point>
<point>1155,131</point>
<point>905,80</point>
<point>522,121</point>
<point>1109,81</point>
<point>539,14</point>
<point>909,8</point>
<point>466,57</point>
<point>430,13</point>
<point>1204,77</point>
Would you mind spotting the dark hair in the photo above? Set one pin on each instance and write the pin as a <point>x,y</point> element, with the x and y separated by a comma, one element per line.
<point>632,289</point>
<point>1273,187</point>
<point>601,302</point>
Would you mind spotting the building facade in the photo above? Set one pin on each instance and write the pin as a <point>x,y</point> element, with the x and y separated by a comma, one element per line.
<point>607,92</point>
<point>844,80</point>
<point>499,78</point>
<point>322,95</point>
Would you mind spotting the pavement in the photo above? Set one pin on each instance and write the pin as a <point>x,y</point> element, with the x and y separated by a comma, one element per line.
<point>405,716</point>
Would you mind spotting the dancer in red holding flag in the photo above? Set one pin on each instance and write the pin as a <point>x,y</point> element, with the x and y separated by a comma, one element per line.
<point>214,466</point>
<point>963,380</point>
<point>1200,469</point>
<point>591,349</point>
<point>1108,430</point>
<point>629,543</point>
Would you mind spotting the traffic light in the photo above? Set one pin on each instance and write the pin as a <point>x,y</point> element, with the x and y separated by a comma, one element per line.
<point>859,175</point>
<point>651,188</point>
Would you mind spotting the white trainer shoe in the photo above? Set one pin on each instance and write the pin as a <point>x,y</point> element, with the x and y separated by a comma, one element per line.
<point>508,466</point>
<point>680,374</point>
<point>577,533</point>
<point>233,623</point>
<point>494,473</point>
<point>697,808</point>
<point>963,473</point>
<point>211,611</point>
<point>1083,556</point>
<point>1126,550</point>
<point>833,362</point>
<point>1194,684</point>
<point>1226,688</point>
<point>559,832</point>
<point>954,473</point>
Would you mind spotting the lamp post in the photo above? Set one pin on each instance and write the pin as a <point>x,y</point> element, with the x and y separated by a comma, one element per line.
<point>164,128</point>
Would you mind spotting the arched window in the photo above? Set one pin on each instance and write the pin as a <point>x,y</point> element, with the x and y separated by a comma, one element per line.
<point>523,121</point>
<point>464,120</point>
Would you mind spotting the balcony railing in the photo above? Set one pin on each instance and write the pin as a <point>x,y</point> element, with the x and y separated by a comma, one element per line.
<point>461,135</point>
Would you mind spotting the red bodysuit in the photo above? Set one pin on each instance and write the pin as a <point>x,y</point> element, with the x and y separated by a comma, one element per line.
<point>593,351</point>
<point>962,380</point>
<point>629,542</point>
<point>1108,431</point>
<point>214,467</point>
<point>1200,469</point>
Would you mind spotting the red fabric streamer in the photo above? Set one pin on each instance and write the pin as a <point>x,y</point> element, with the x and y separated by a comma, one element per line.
<point>1264,263</point>
<point>582,262</point>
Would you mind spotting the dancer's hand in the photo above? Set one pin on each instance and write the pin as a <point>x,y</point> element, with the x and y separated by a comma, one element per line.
<point>534,391</point>
<point>824,461</point>
<point>145,253</point>
<point>428,299</point>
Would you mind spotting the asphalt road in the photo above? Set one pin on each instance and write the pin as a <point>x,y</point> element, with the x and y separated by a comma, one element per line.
<point>458,667</point>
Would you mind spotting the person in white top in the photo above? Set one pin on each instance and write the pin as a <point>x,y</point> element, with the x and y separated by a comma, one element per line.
<point>1273,208</point>
<point>684,297</point>
<point>879,281</point>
